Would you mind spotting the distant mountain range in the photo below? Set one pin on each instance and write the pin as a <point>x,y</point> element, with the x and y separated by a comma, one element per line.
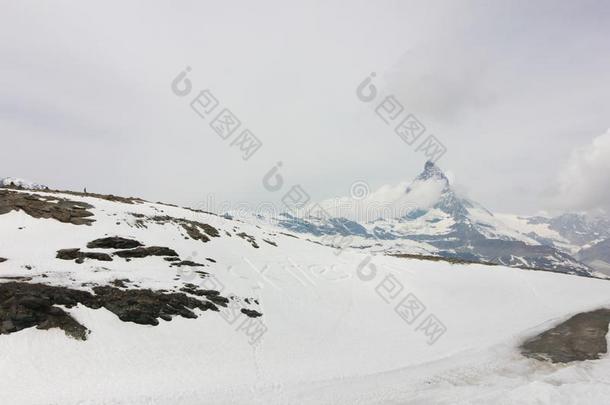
<point>585,237</point>
<point>427,217</point>
<point>21,183</point>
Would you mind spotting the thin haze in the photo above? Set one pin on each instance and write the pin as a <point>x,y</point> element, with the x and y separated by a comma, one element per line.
<point>517,92</point>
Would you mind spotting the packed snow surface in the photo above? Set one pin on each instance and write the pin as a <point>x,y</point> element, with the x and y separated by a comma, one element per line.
<point>334,331</point>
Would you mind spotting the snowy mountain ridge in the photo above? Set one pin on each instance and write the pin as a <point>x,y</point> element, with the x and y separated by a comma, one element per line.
<point>21,183</point>
<point>427,216</point>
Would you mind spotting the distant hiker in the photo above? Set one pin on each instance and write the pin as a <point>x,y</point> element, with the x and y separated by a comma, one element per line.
<point>85,190</point>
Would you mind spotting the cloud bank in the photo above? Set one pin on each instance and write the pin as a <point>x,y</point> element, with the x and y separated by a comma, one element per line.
<point>584,184</point>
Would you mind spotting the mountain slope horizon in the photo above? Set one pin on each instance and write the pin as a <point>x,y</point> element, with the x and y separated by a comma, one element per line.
<point>426,216</point>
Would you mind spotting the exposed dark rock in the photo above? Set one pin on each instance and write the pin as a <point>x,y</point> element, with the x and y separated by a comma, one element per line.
<point>39,206</point>
<point>68,254</point>
<point>2,259</point>
<point>107,197</point>
<point>210,260</point>
<point>582,337</point>
<point>211,295</point>
<point>145,307</point>
<point>20,278</point>
<point>200,211</point>
<point>98,256</point>
<point>141,252</point>
<point>58,318</point>
<point>121,283</point>
<point>195,230</point>
<point>24,305</point>
<point>79,257</point>
<point>251,313</point>
<point>270,242</point>
<point>114,242</point>
<point>249,238</point>
<point>186,263</point>
<point>218,300</point>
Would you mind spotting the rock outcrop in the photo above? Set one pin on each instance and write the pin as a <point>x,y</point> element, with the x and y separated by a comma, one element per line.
<point>39,206</point>
<point>79,257</point>
<point>114,242</point>
<point>25,305</point>
<point>582,337</point>
<point>141,252</point>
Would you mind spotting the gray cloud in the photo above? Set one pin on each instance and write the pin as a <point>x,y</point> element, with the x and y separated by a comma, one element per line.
<point>511,90</point>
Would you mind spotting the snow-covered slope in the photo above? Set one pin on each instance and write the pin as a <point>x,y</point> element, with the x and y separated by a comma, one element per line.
<point>577,234</point>
<point>347,329</point>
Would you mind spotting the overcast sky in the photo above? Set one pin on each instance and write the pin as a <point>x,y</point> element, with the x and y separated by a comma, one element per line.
<point>517,92</point>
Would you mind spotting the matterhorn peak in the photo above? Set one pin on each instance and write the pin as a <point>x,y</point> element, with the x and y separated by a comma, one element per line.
<point>432,171</point>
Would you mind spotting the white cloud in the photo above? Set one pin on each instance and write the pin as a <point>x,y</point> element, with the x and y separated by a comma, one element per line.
<point>584,184</point>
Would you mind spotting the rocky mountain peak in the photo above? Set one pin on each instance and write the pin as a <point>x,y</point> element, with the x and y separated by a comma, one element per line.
<point>432,171</point>
<point>434,185</point>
